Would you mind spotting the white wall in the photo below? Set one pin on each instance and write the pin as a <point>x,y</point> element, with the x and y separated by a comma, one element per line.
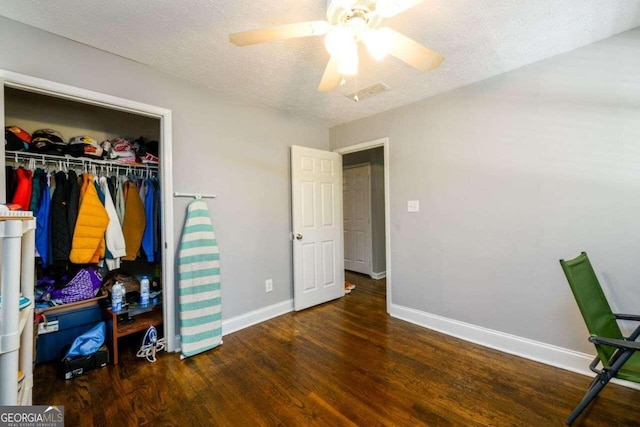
<point>512,174</point>
<point>221,146</point>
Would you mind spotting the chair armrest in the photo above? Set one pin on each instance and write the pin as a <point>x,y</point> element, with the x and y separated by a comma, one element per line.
<point>621,344</point>
<point>621,316</point>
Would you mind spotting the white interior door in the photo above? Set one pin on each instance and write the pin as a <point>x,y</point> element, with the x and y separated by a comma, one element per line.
<point>318,260</point>
<point>358,249</point>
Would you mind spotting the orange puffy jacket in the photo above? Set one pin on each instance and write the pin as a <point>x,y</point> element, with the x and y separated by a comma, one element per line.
<point>88,244</point>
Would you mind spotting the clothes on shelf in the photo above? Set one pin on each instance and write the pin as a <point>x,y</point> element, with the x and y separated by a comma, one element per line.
<point>50,141</point>
<point>87,218</point>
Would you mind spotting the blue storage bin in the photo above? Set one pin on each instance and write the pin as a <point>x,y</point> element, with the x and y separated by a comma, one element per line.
<point>71,324</point>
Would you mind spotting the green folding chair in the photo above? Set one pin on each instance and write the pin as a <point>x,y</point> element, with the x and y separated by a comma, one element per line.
<point>618,356</point>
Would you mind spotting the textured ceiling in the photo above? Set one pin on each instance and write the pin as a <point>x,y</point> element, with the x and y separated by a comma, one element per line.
<point>189,39</point>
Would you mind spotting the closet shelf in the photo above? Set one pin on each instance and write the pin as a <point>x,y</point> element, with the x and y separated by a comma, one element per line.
<point>67,160</point>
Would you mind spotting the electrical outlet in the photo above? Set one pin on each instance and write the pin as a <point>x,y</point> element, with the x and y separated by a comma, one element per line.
<point>268,285</point>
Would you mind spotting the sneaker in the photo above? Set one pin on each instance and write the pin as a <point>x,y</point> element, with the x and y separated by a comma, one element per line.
<point>150,158</point>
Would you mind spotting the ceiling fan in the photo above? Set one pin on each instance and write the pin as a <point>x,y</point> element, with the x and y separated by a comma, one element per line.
<point>348,23</point>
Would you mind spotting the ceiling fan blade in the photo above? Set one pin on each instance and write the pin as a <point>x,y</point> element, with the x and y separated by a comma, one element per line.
<point>389,8</point>
<point>281,32</point>
<point>331,77</point>
<point>412,52</point>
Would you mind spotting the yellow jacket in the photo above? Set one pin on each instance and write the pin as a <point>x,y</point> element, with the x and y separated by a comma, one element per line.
<point>133,222</point>
<point>88,237</point>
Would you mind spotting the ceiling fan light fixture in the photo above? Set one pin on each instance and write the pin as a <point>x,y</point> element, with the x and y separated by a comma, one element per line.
<point>356,24</point>
<point>378,42</point>
<point>348,59</point>
<point>339,41</point>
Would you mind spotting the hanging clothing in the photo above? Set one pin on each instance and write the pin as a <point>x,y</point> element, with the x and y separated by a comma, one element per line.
<point>99,191</point>
<point>10,181</point>
<point>112,183</point>
<point>157,230</point>
<point>101,197</point>
<point>143,191</point>
<point>88,244</point>
<point>114,237</point>
<point>134,221</point>
<point>38,182</point>
<point>43,236</point>
<point>148,236</point>
<point>120,204</point>
<point>74,202</point>
<point>60,233</point>
<point>64,221</point>
<point>199,283</point>
<point>22,195</point>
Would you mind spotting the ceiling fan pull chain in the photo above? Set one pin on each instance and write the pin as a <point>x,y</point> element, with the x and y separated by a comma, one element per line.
<point>355,97</point>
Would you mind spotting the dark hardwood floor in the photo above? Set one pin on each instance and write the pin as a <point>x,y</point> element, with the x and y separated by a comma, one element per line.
<point>344,363</point>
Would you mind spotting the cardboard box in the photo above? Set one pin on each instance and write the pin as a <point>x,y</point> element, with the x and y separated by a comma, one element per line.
<point>71,368</point>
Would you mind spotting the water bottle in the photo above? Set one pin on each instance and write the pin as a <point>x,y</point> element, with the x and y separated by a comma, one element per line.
<point>116,297</point>
<point>144,292</point>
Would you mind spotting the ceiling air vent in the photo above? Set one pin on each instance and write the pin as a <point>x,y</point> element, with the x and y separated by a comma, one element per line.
<point>368,92</point>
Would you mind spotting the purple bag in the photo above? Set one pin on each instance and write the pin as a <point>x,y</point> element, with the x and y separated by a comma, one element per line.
<point>84,285</point>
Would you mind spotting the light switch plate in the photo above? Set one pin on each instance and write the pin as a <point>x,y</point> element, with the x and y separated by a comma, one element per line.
<point>413,206</point>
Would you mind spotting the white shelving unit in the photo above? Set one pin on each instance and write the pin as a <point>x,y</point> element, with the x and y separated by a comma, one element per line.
<point>16,325</point>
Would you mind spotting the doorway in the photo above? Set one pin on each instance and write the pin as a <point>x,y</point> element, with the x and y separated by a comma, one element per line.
<point>375,155</point>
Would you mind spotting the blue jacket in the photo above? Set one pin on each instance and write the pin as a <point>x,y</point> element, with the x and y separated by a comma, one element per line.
<point>147,237</point>
<point>43,231</point>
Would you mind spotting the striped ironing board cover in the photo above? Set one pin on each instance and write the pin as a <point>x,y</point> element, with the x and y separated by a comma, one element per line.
<point>199,283</point>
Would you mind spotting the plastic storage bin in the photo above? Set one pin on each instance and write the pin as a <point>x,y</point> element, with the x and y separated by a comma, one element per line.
<point>71,324</point>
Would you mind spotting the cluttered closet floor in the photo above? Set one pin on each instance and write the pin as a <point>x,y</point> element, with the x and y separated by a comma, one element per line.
<point>345,362</point>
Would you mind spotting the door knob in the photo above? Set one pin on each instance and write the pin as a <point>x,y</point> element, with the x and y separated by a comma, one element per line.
<point>299,236</point>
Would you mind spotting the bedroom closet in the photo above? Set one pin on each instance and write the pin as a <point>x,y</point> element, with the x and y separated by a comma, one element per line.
<point>130,164</point>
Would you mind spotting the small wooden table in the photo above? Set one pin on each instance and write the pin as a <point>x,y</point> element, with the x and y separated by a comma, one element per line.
<point>143,318</point>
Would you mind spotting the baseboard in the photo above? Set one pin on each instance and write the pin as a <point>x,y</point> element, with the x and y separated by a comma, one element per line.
<point>237,323</point>
<point>552,355</point>
<point>378,276</point>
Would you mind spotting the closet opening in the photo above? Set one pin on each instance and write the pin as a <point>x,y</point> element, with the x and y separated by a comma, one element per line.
<point>73,157</point>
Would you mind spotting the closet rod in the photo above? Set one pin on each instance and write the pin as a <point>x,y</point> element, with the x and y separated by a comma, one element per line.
<point>81,161</point>
<point>196,195</point>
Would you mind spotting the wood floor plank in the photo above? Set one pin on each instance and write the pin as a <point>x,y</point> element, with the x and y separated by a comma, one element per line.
<point>344,363</point>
